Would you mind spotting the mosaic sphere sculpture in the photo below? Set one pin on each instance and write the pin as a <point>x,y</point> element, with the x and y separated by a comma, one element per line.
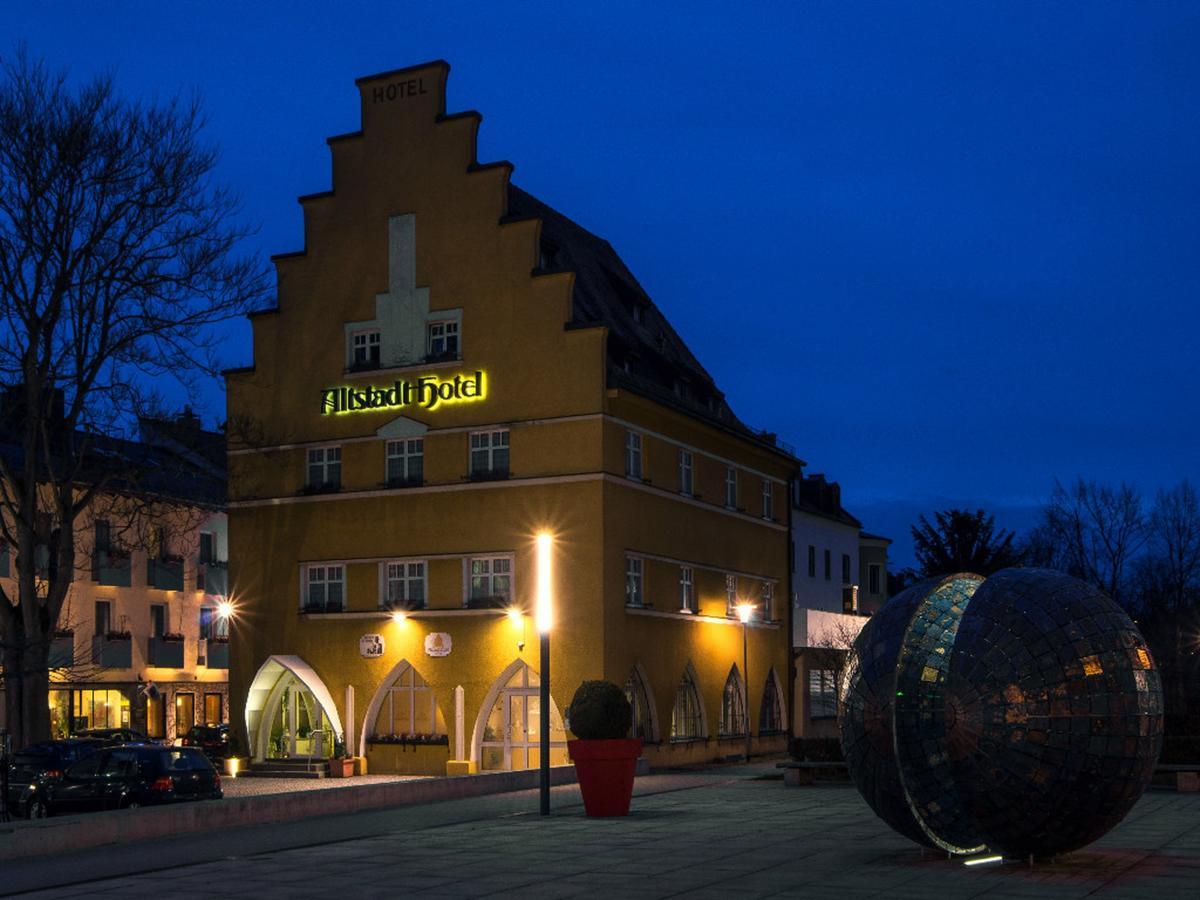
<point>1019,714</point>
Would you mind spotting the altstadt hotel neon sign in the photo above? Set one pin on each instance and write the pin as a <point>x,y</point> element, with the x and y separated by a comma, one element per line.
<point>427,392</point>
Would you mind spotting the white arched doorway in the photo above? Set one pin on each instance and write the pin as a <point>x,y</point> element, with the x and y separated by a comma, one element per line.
<point>404,704</point>
<point>508,728</point>
<point>290,713</point>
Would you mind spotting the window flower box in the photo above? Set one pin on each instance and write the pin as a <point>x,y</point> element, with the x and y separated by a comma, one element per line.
<point>410,739</point>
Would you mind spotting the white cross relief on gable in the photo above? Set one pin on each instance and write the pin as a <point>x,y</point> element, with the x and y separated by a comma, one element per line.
<point>402,315</point>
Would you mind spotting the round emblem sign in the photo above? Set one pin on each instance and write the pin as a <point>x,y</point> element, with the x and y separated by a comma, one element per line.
<point>371,646</point>
<point>437,644</point>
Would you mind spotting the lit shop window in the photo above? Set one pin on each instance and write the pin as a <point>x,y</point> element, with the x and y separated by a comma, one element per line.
<point>364,352</point>
<point>633,454</point>
<point>405,462</point>
<point>634,595</point>
<point>491,581</point>
<point>325,588</point>
<point>443,341</point>
<point>731,487</point>
<point>489,455</point>
<point>405,585</point>
<point>685,472</point>
<point>687,590</point>
<point>324,468</point>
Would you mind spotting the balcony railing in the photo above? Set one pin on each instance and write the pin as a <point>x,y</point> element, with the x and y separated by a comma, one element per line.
<point>165,574</point>
<point>62,650</point>
<point>489,601</point>
<point>213,578</point>
<point>216,653</point>
<point>112,651</point>
<point>112,567</point>
<point>329,606</point>
<point>166,652</point>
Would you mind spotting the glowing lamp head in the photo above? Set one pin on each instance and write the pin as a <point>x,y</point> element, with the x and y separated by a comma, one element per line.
<point>745,611</point>
<point>542,614</point>
<point>514,615</point>
<point>399,617</point>
<point>225,610</point>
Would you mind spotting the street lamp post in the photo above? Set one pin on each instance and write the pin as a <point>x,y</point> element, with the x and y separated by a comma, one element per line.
<point>744,611</point>
<point>542,619</point>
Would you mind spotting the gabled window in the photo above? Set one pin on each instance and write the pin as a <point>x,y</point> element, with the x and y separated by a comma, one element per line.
<point>324,588</point>
<point>687,590</point>
<point>324,468</point>
<point>443,340</point>
<point>489,454</point>
<point>730,487</point>
<point>491,581</point>
<point>364,350</point>
<point>685,472</point>
<point>405,585</point>
<point>406,461</point>
<point>768,498</point>
<point>633,455</point>
<point>634,595</point>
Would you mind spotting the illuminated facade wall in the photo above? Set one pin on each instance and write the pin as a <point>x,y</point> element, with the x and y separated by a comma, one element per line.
<point>417,276</point>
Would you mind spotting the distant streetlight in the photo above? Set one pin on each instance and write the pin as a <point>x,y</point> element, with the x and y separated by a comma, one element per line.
<point>745,611</point>
<point>542,618</point>
<point>225,610</point>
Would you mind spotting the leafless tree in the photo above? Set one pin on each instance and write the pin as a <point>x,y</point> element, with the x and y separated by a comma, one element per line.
<point>117,255</point>
<point>1092,531</point>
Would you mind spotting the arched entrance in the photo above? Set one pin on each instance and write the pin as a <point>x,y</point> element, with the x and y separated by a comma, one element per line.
<point>508,728</point>
<point>290,713</point>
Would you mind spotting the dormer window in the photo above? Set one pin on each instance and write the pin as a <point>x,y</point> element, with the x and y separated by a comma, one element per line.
<point>364,350</point>
<point>443,340</point>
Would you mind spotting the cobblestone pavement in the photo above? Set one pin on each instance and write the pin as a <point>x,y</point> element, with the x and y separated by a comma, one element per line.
<point>716,834</point>
<point>257,787</point>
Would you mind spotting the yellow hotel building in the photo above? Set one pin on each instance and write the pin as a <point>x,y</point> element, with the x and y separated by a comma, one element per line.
<point>452,368</point>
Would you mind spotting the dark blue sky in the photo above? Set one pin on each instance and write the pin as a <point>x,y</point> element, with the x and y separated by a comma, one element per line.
<point>947,250</point>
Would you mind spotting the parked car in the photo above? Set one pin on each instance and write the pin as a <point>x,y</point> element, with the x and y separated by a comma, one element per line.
<point>37,766</point>
<point>133,775</point>
<point>212,739</point>
<point>116,735</point>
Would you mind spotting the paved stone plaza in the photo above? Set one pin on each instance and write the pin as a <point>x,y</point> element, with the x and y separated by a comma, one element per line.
<point>718,833</point>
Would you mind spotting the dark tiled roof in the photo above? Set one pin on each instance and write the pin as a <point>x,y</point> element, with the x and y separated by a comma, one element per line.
<point>645,354</point>
<point>866,535</point>
<point>814,495</point>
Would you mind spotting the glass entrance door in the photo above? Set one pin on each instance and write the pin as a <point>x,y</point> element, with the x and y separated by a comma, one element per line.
<point>512,735</point>
<point>299,729</point>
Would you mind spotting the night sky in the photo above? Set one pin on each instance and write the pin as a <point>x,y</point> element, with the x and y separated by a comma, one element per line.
<point>948,251</point>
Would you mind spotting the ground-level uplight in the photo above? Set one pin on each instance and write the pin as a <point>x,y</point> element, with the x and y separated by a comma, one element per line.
<point>542,618</point>
<point>981,860</point>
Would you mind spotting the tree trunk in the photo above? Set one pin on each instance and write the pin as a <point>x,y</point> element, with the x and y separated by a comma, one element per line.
<point>35,691</point>
<point>14,697</point>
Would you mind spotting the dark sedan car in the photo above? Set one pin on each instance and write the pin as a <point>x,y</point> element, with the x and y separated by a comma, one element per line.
<point>116,736</point>
<point>134,775</point>
<point>39,765</point>
<point>212,739</point>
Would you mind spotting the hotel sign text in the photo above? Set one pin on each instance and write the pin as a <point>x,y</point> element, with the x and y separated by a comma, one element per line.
<point>427,392</point>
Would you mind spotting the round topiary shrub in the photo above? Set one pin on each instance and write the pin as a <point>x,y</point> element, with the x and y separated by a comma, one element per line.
<point>600,712</point>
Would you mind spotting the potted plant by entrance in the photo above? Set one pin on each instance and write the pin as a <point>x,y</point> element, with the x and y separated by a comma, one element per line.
<point>605,757</point>
<point>340,764</point>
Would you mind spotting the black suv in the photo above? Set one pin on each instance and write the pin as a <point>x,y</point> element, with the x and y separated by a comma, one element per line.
<point>133,775</point>
<point>39,765</point>
<point>212,739</point>
<point>116,736</point>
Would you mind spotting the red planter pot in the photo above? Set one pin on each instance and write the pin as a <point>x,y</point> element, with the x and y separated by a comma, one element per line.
<point>605,771</point>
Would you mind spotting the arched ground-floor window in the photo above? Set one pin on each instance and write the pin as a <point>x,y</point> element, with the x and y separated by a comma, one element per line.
<point>687,716</point>
<point>639,697</point>
<point>733,706</point>
<point>770,714</point>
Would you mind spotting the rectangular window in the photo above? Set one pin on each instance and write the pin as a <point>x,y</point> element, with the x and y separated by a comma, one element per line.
<point>685,472</point>
<point>103,622</point>
<point>489,454</point>
<point>103,535</point>
<point>828,567</point>
<point>873,578</point>
<point>158,620</point>
<point>208,548</point>
<point>633,455</point>
<point>443,340</point>
<point>207,617</point>
<point>491,581</point>
<point>212,709</point>
<point>812,561</point>
<point>731,487</point>
<point>845,568</point>
<point>406,462</point>
<point>687,590</point>
<point>768,602</point>
<point>405,585</point>
<point>731,595</point>
<point>185,712</point>
<point>822,694</point>
<point>634,595</point>
<point>768,498</point>
<point>850,599</point>
<point>325,468</point>
<point>365,352</point>
<point>325,589</point>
